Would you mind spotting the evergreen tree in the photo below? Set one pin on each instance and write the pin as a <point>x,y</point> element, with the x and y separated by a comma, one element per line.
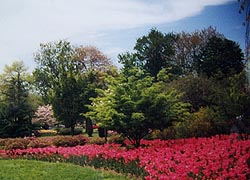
<point>17,110</point>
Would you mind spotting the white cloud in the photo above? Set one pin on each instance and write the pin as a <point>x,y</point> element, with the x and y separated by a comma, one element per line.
<point>26,23</point>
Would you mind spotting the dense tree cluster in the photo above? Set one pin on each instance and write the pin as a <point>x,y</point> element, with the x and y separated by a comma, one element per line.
<point>171,86</point>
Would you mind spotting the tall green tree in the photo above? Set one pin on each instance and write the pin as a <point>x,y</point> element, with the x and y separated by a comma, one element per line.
<point>156,51</point>
<point>221,58</point>
<point>189,47</point>
<point>69,102</point>
<point>60,76</point>
<point>234,102</point>
<point>16,109</point>
<point>53,61</point>
<point>67,77</point>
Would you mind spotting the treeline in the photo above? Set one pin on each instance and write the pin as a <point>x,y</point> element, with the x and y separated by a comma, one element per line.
<point>171,86</point>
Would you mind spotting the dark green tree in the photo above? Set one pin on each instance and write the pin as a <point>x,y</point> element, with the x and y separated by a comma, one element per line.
<point>234,102</point>
<point>156,51</point>
<point>16,109</point>
<point>221,58</point>
<point>67,78</point>
<point>53,61</point>
<point>189,46</point>
<point>199,91</point>
<point>69,102</point>
<point>60,76</point>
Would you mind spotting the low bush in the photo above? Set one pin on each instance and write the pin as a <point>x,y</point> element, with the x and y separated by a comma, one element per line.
<point>97,140</point>
<point>69,141</point>
<point>2,142</point>
<point>18,143</point>
<point>33,142</point>
<point>67,131</point>
<point>39,143</point>
<point>116,138</point>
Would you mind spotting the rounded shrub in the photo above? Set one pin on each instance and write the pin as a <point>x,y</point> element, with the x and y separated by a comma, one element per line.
<point>67,131</point>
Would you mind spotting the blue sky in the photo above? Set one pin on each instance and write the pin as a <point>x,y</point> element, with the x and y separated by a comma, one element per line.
<point>111,25</point>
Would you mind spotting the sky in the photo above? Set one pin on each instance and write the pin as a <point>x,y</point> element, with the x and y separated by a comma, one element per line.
<point>113,26</point>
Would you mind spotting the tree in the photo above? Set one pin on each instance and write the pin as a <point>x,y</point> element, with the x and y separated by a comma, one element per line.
<point>16,109</point>
<point>221,58</point>
<point>53,61</point>
<point>245,7</point>
<point>234,102</point>
<point>44,115</point>
<point>68,77</point>
<point>69,102</point>
<point>134,105</point>
<point>155,51</point>
<point>189,46</point>
<point>60,75</point>
<point>199,91</point>
<point>92,58</point>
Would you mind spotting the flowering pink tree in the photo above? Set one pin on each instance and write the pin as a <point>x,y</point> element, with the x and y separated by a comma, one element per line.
<point>45,116</point>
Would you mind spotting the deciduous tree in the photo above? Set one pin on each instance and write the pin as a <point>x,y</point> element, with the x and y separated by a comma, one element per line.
<point>156,51</point>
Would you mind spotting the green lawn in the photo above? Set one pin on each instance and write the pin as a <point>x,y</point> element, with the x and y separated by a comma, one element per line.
<point>38,170</point>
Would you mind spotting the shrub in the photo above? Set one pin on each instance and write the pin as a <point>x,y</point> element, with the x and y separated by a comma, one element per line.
<point>81,139</point>
<point>97,140</point>
<point>117,139</point>
<point>18,143</point>
<point>69,141</point>
<point>3,143</point>
<point>67,131</point>
<point>23,143</point>
<point>39,143</point>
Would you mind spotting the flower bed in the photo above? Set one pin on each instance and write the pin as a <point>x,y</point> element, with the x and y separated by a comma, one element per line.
<point>219,157</point>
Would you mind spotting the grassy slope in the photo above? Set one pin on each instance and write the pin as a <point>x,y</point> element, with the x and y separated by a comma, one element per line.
<point>37,170</point>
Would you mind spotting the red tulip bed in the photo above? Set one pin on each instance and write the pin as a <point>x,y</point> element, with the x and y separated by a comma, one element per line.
<point>218,157</point>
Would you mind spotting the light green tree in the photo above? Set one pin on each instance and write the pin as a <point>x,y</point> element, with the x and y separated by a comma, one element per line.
<point>134,105</point>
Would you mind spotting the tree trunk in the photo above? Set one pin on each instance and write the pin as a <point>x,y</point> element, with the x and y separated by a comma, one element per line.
<point>89,127</point>
<point>72,130</point>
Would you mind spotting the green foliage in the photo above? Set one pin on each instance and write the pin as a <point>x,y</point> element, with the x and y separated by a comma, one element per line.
<point>23,143</point>
<point>234,101</point>
<point>199,91</point>
<point>97,140</point>
<point>189,46</point>
<point>69,141</point>
<point>53,61</point>
<point>68,77</point>
<point>134,105</point>
<point>69,102</point>
<point>67,131</point>
<point>116,138</point>
<point>155,51</point>
<point>221,58</point>
<point>39,143</point>
<point>15,108</point>
<point>59,75</point>
<point>17,143</point>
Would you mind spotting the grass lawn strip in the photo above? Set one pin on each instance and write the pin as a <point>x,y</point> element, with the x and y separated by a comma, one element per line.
<point>38,170</point>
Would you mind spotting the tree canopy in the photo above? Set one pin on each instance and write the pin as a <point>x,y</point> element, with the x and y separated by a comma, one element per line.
<point>155,51</point>
<point>172,85</point>
<point>16,109</point>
